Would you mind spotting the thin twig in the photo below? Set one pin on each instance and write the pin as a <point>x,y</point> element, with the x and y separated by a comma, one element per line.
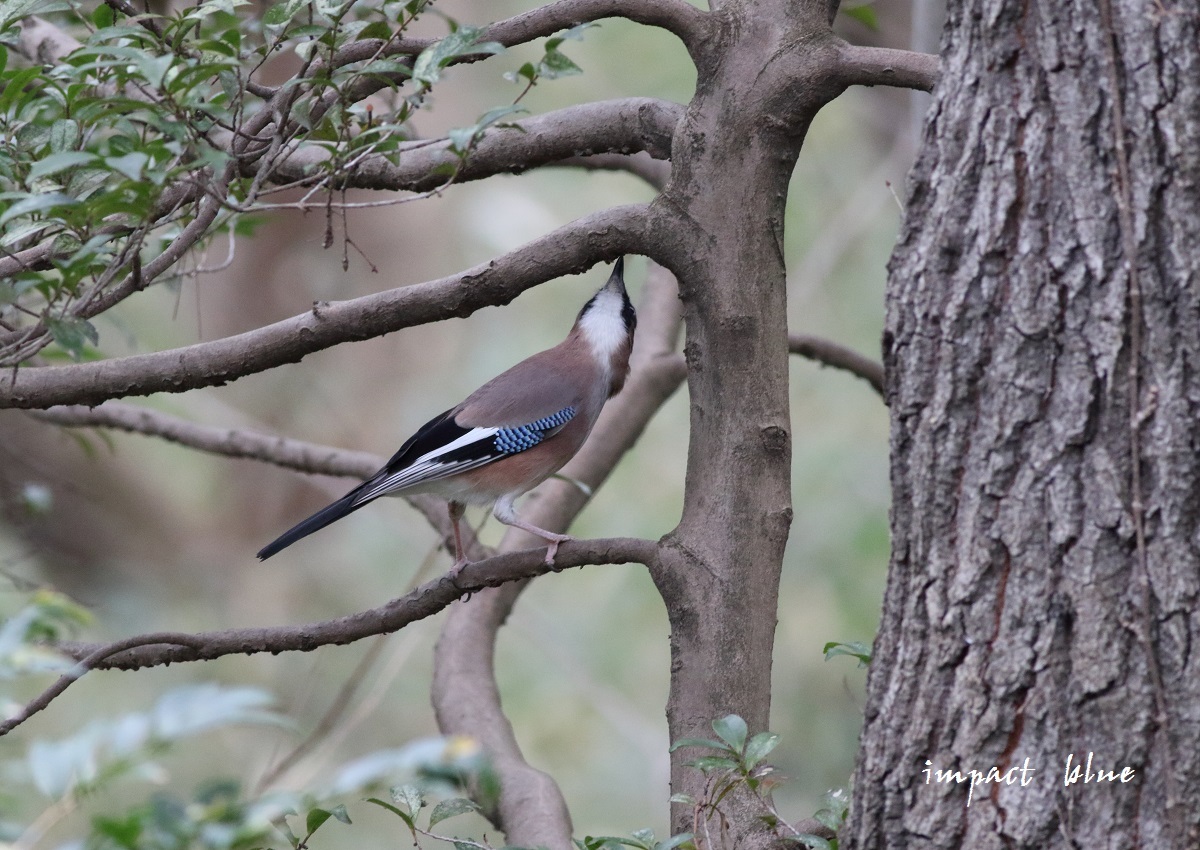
<point>838,356</point>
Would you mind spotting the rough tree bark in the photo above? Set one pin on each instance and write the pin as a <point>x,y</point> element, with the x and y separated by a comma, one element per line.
<point>764,68</point>
<point>1043,346</point>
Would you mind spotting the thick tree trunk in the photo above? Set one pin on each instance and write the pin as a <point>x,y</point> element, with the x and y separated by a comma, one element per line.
<point>1043,351</point>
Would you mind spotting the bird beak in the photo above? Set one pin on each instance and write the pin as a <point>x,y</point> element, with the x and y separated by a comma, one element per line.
<point>617,279</point>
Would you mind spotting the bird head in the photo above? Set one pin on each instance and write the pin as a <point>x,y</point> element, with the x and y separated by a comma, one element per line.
<point>607,322</point>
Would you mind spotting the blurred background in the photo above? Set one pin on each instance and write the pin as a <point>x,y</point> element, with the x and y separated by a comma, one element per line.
<point>152,536</point>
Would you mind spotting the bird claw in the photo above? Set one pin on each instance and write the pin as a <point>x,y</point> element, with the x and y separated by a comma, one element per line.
<point>455,570</point>
<point>552,550</point>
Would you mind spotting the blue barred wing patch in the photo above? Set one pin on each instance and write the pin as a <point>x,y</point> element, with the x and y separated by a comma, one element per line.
<point>510,441</point>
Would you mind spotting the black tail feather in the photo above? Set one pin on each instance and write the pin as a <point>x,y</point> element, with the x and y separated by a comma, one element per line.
<point>316,522</point>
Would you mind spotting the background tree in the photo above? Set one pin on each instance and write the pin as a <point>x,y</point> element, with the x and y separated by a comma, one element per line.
<point>1041,347</point>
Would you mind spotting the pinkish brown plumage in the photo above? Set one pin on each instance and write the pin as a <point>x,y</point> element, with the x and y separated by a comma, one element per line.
<point>512,433</point>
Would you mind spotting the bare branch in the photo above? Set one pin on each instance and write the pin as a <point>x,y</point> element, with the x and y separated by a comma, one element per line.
<point>231,442</point>
<point>466,698</point>
<point>689,24</point>
<point>682,19</point>
<point>883,66</point>
<point>312,458</point>
<point>569,250</point>
<point>161,648</point>
<point>612,126</point>
<point>641,165</point>
<point>839,357</point>
<point>89,661</point>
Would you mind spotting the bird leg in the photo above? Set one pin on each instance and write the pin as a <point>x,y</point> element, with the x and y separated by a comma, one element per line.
<point>456,510</point>
<point>505,513</point>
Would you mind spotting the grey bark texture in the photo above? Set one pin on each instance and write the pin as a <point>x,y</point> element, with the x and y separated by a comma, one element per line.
<point>1042,348</point>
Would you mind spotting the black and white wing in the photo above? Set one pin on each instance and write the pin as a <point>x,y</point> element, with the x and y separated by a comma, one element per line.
<point>440,449</point>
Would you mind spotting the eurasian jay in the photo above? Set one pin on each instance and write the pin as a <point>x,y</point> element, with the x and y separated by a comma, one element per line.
<point>512,433</point>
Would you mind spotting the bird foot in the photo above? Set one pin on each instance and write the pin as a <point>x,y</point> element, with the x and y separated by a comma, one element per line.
<point>552,549</point>
<point>455,569</point>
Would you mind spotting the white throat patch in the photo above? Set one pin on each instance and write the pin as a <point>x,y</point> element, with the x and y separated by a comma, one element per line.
<point>603,326</point>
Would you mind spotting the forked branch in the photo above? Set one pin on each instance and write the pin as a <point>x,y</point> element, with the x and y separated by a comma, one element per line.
<point>157,649</point>
<point>568,250</point>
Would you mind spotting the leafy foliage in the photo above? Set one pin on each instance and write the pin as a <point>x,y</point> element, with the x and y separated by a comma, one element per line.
<point>24,637</point>
<point>737,761</point>
<point>147,135</point>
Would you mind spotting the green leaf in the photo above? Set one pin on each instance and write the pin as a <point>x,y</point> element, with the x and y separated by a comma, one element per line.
<point>611,842</point>
<point>132,164</point>
<point>409,795</point>
<point>305,49</point>
<point>36,204</point>
<point>375,29</point>
<point>855,649</point>
<point>72,333</point>
<point>197,708</point>
<point>403,815</point>
<point>64,135</point>
<point>281,13</point>
<point>708,764</point>
<point>103,16</point>
<point>154,68</point>
<point>813,842</point>
<point>732,730</point>
<point>864,14</point>
<point>555,64</point>
<point>464,41</point>
<point>686,799</point>
<point>286,831</point>
<point>14,86</point>
<point>759,746</point>
<point>526,71</point>
<point>14,10</point>
<point>318,816</point>
<point>57,162</point>
<point>451,808</point>
<point>674,841</point>
<point>575,33</point>
<point>124,832</point>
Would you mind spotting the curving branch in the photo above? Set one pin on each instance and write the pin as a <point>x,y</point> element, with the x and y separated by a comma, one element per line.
<point>154,650</point>
<point>301,456</point>
<point>683,20</point>
<point>231,442</point>
<point>636,124</point>
<point>652,171</point>
<point>611,126</point>
<point>568,250</point>
<point>838,356</point>
<point>531,809</point>
<point>689,24</point>
<point>884,66</point>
